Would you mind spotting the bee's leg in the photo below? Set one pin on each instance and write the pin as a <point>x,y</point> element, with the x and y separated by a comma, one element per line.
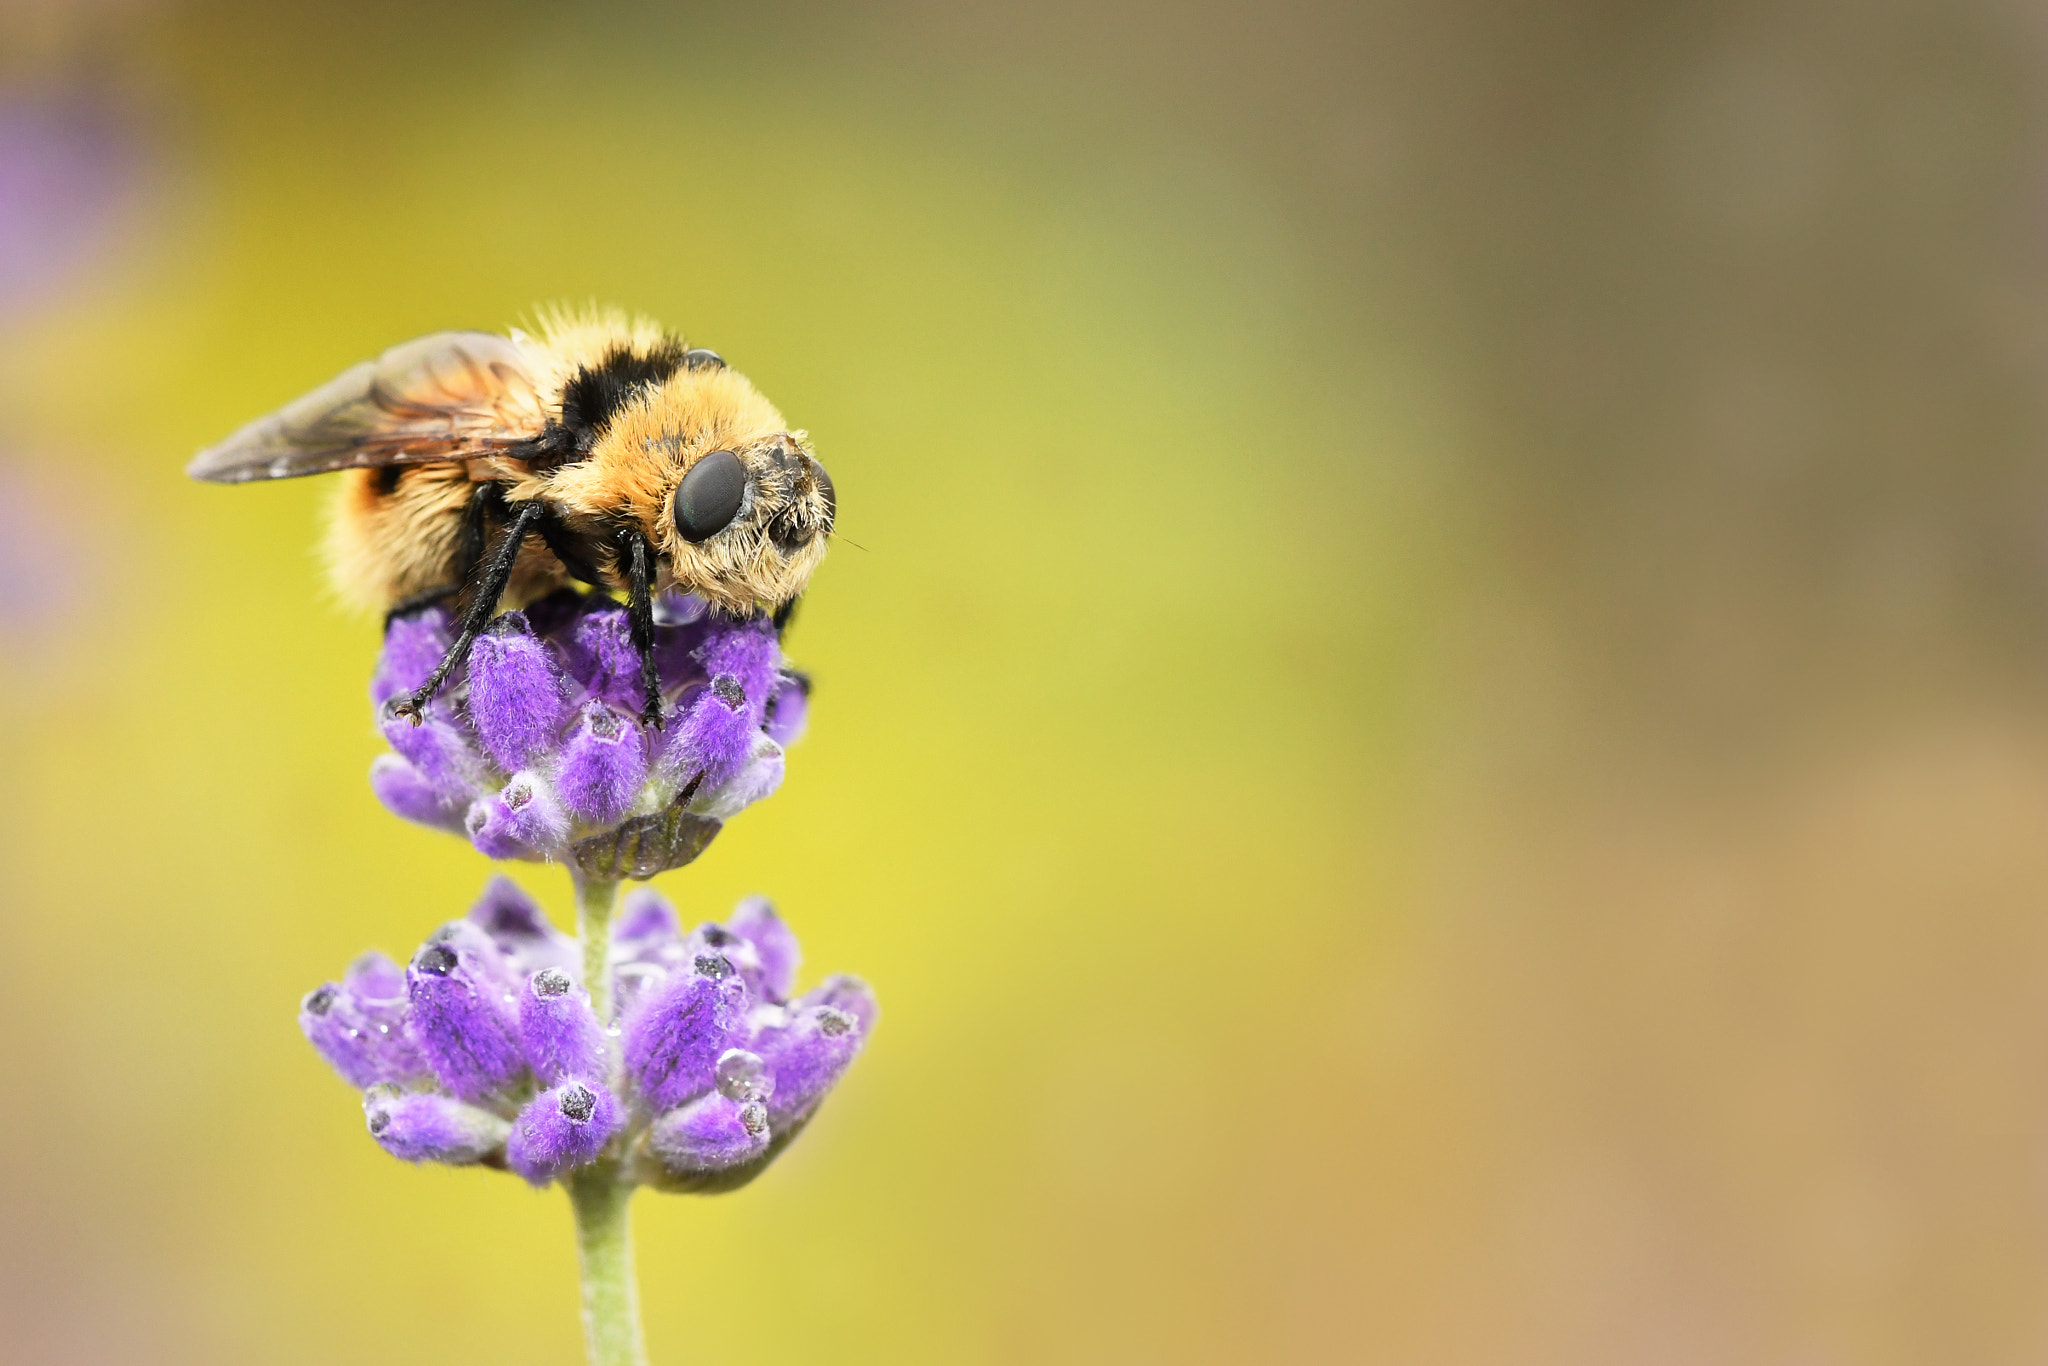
<point>786,613</point>
<point>563,546</point>
<point>640,621</point>
<point>469,552</point>
<point>483,605</point>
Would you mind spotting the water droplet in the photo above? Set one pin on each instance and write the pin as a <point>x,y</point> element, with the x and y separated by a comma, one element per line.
<point>742,1076</point>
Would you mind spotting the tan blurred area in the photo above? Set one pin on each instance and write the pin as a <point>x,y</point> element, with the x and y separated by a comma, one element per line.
<point>1433,730</point>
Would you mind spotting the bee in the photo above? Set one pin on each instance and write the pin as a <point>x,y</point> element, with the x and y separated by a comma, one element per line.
<point>487,470</point>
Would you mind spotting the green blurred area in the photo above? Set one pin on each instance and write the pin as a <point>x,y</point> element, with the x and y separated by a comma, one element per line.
<point>1428,722</point>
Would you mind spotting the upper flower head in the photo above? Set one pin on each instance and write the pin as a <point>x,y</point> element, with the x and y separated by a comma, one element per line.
<point>536,750</point>
<point>486,1047</point>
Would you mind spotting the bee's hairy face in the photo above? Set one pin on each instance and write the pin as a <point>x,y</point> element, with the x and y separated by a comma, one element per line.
<point>734,503</point>
<point>748,522</point>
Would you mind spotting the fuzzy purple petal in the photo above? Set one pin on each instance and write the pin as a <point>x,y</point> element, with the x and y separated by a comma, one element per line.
<point>413,645</point>
<point>461,1021</point>
<point>519,928</point>
<point>674,1033</point>
<point>437,749</point>
<point>844,991</point>
<point>711,1133</point>
<point>517,697</point>
<point>562,1129</point>
<point>746,651</point>
<point>645,916</point>
<point>558,1030</point>
<point>405,792</point>
<point>374,977</point>
<point>775,947</point>
<point>806,1058</point>
<point>756,779</point>
<point>603,765</point>
<point>714,738</point>
<point>789,709</point>
<point>359,1025</point>
<point>523,819</point>
<point>601,656</point>
<point>425,1126</point>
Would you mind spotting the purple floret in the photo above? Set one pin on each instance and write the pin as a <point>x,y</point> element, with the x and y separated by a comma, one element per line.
<point>644,915</point>
<point>715,738</point>
<point>462,1021</point>
<point>437,751</point>
<point>604,763</point>
<point>405,792</point>
<point>425,1126</point>
<point>806,1058</point>
<point>746,653</point>
<point>517,695</point>
<point>558,1031</point>
<point>711,1133</point>
<point>359,1024</point>
<point>601,656</point>
<point>413,645</point>
<point>537,749</point>
<point>789,708</point>
<point>562,1129</point>
<point>774,947</point>
<point>674,1034</point>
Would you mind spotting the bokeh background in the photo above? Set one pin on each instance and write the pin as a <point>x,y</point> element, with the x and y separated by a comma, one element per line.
<point>1436,741</point>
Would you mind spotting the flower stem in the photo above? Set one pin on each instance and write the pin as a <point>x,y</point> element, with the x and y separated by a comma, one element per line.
<point>600,1195</point>
<point>595,902</point>
<point>604,1249</point>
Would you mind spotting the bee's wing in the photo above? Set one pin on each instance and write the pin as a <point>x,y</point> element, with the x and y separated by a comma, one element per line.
<point>441,397</point>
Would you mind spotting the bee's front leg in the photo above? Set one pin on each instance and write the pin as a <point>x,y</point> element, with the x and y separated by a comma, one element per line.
<point>640,621</point>
<point>483,605</point>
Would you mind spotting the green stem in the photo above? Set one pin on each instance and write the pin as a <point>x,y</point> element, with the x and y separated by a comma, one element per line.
<point>601,1197</point>
<point>595,902</point>
<point>604,1249</point>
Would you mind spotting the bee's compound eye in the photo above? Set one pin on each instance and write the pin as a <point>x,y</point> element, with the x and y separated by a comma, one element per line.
<point>697,358</point>
<point>825,487</point>
<point>709,496</point>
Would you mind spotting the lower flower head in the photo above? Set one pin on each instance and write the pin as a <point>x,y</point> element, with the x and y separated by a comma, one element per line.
<point>486,1047</point>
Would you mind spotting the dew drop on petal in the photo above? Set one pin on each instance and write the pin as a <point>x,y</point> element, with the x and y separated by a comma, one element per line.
<point>741,1076</point>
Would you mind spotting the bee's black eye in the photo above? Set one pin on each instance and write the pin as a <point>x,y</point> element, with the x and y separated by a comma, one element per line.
<point>709,496</point>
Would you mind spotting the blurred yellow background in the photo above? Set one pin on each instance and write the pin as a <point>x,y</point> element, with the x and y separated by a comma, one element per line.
<point>1437,745</point>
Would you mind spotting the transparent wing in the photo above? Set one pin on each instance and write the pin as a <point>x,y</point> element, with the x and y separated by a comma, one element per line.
<point>441,397</point>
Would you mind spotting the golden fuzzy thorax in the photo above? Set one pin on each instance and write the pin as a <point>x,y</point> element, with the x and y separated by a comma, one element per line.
<point>393,533</point>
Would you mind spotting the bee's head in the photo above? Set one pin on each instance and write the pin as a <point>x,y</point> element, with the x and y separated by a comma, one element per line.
<point>746,522</point>
<point>734,503</point>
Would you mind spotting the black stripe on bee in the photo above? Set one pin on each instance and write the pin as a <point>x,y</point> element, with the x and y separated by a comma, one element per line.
<point>593,394</point>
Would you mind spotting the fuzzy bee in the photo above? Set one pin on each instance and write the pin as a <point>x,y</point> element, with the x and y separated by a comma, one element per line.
<point>484,469</point>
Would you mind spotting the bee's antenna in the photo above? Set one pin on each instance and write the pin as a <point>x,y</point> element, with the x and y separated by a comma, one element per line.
<point>849,540</point>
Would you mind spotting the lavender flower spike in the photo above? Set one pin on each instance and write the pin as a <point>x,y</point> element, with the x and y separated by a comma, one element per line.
<point>488,1050</point>
<point>537,750</point>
